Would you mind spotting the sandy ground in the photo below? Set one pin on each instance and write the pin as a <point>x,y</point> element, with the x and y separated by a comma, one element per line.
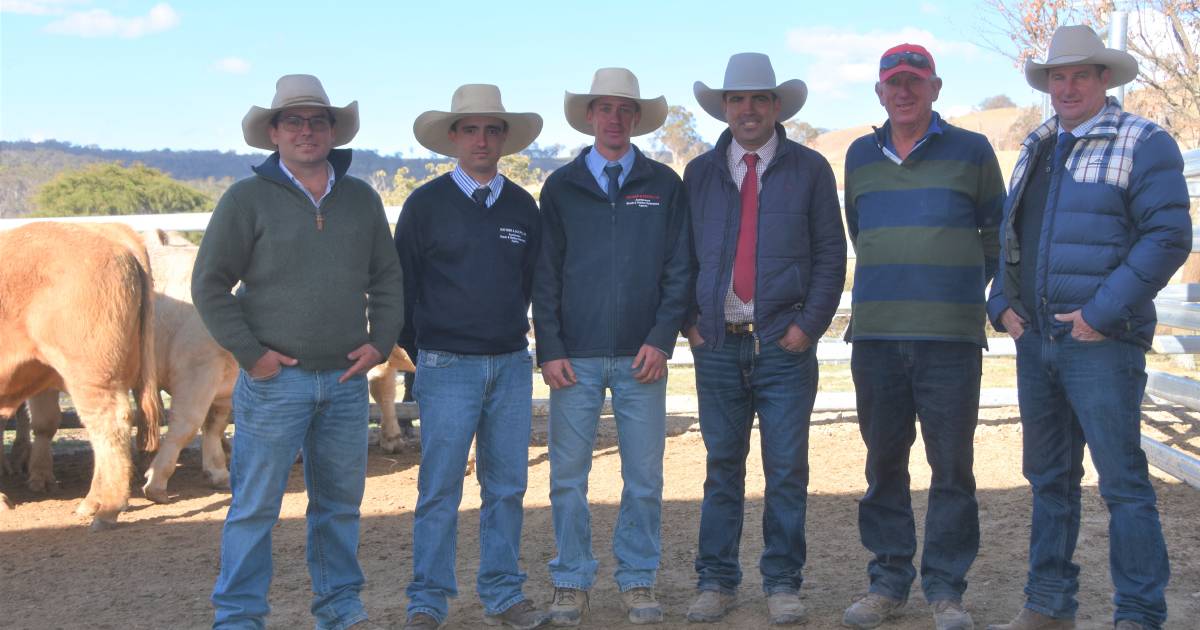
<point>157,568</point>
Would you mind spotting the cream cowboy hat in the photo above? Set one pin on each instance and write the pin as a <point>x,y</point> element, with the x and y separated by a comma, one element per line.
<point>751,72</point>
<point>432,128</point>
<point>615,82</point>
<point>298,90</point>
<point>1079,45</point>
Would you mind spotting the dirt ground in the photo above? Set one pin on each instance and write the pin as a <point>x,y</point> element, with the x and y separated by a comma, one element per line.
<point>157,568</point>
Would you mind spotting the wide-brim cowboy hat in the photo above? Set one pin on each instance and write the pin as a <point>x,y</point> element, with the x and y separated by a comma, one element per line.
<point>432,128</point>
<point>751,72</point>
<point>292,91</point>
<point>621,83</point>
<point>1076,46</point>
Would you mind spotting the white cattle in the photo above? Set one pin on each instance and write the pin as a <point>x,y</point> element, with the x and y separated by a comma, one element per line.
<point>77,312</point>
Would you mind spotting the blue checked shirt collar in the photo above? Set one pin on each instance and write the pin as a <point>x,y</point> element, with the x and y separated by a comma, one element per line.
<point>328,185</point>
<point>596,163</point>
<point>467,184</point>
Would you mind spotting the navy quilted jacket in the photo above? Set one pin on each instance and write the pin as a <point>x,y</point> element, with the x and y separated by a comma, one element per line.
<point>801,255</point>
<point>1116,228</point>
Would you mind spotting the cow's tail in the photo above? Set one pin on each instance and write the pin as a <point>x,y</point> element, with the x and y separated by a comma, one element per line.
<point>149,400</point>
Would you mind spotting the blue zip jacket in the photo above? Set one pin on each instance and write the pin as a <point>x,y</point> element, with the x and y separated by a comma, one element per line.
<point>1113,233</point>
<point>801,254</point>
<point>611,277</point>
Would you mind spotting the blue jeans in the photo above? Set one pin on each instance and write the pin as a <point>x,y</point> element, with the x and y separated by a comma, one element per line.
<point>896,382</point>
<point>641,415</point>
<point>733,383</point>
<point>1074,393</point>
<point>311,413</point>
<point>488,398</point>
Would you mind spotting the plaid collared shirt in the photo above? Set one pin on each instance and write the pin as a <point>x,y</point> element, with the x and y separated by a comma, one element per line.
<point>737,311</point>
<point>1104,154</point>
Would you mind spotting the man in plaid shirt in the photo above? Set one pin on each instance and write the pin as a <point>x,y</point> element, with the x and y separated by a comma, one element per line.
<point>1096,223</point>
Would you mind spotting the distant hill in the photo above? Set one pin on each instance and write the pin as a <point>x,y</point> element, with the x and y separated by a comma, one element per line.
<point>24,166</point>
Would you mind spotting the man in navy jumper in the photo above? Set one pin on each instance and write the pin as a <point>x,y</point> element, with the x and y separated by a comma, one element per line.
<point>611,292</point>
<point>468,241</point>
<point>768,285</point>
<point>1095,224</point>
<point>923,201</point>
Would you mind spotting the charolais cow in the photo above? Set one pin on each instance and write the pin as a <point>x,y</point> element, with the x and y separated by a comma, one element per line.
<point>77,313</point>
<point>382,383</point>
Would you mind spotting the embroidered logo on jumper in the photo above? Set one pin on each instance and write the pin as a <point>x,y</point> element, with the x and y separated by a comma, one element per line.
<point>516,236</point>
<point>643,201</point>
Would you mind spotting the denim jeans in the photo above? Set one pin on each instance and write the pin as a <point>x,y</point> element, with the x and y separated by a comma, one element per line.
<point>488,398</point>
<point>733,383</point>
<point>895,383</point>
<point>296,411</point>
<point>640,410</point>
<point>1074,393</point>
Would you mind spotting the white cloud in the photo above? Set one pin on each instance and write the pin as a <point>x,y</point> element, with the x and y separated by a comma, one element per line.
<point>233,65</point>
<point>841,57</point>
<point>101,23</point>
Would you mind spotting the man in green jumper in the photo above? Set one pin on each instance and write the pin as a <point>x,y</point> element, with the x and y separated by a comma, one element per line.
<point>923,203</point>
<point>320,303</point>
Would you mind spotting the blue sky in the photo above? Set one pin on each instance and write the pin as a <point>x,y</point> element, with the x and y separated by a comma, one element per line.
<point>180,74</point>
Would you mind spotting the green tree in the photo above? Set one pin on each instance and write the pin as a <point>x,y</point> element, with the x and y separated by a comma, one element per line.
<point>109,189</point>
<point>678,134</point>
<point>518,168</point>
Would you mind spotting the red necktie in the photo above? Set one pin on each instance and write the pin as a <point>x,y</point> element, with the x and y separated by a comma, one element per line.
<point>747,243</point>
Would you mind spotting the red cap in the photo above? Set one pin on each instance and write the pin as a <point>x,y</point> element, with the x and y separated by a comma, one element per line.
<point>905,63</point>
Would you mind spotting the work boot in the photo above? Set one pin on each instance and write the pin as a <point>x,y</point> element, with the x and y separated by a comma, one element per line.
<point>643,607</point>
<point>1030,620</point>
<point>421,621</point>
<point>785,609</point>
<point>568,606</point>
<point>521,615</point>
<point>710,606</point>
<point>948,614</point>
<point>871,610</point>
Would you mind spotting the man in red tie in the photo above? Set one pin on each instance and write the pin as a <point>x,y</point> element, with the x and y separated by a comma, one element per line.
<point>772,259</point>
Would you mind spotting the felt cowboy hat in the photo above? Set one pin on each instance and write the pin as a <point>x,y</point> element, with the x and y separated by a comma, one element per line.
<point>432,128</point>
<point>298,90</point>
<point>751,72</point>
<point>1076,46</point>
<point>615,82</point>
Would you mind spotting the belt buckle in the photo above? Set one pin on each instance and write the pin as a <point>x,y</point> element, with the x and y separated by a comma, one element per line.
<point>744,328</point>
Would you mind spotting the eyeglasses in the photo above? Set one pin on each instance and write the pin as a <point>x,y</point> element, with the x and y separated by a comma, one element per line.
<point>295,124</point>
<point>913,59</point>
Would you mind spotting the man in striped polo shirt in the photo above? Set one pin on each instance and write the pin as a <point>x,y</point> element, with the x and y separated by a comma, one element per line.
<point>923,205</point>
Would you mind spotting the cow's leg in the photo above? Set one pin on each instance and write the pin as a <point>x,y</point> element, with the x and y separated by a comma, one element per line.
<point>406,428</point>
<point>45,417</point>
<point>18,461</point>
<point>188,409</point>
<point>109,422</point>
<point>212,444</point>
<point>382,383</point>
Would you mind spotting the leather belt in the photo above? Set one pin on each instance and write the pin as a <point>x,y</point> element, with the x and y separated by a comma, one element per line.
<point>739,329</point>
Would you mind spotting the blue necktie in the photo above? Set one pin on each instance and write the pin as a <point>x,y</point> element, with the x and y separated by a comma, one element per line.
<point>613,170</point>
<point>480,195</point>
<point>1066,142</point>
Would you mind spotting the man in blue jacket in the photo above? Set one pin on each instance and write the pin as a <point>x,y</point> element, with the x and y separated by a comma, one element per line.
<point>610,294</point>
<point>772,259</point>
<point>1095,224</point>
<point>468,242</point>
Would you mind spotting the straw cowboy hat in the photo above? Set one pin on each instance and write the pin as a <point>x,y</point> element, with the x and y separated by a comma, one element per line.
<point>1077,46</point>
<point>298,90</point>
<point>432,128</point>
<point>751,72</point>
<point>615,82</point>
